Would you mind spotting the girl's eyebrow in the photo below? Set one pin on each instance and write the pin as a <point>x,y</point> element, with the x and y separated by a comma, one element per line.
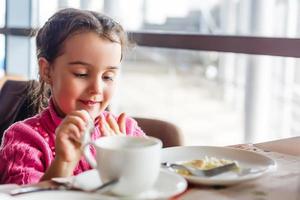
<point>90,65</point>
<point>78,62</point>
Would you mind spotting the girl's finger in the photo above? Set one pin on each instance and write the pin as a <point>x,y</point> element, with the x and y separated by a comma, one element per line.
<point>83,114</point>
<point>113,124</point>
<point>71,131</point>
<point>77,121</point>
<point>76,142</point>
<point>104,128</point>
<point>122,123</point>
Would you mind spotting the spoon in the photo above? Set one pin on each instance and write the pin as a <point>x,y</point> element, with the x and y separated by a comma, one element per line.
<point>62,186</point>
<point>199,172</point>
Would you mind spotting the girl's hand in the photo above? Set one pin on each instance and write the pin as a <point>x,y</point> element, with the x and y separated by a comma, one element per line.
<point>68,136</point>
<point>68,145</point>
<point>109,126</point>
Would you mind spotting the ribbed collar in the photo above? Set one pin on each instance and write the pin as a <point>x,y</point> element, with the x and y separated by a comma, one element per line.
<point>49,118</point>
<point>54,116</point>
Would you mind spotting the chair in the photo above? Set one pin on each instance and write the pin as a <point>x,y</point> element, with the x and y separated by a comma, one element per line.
<point>168,132</point>
<point>16,106</point>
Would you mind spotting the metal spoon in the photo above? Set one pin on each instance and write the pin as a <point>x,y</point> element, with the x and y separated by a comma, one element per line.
<point>198,172</point>
<point>67,186</point>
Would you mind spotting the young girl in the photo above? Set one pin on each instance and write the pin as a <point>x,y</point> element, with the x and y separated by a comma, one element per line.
<point>79,55</point>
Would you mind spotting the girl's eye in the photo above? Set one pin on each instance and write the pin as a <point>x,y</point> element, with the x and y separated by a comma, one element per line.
<point>80,75</point>
<point>108,78</point>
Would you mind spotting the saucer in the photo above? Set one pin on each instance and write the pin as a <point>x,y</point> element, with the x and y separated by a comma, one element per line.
<point>167,185</point>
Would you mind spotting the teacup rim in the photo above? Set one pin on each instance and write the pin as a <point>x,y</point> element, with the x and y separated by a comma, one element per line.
<point>156,142</point>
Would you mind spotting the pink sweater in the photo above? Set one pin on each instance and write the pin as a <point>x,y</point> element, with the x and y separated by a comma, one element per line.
<point>28,147</point>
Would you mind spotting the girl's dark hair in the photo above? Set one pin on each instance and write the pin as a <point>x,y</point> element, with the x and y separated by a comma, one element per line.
<point>63,24</point>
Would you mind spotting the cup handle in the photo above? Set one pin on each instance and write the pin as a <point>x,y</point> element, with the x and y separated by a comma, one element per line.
<point>88,155</point>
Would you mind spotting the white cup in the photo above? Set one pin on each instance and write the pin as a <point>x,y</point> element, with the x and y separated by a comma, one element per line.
<point>134,161</point>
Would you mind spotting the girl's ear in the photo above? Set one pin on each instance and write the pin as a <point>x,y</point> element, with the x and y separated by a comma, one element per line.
<point>44,70</point>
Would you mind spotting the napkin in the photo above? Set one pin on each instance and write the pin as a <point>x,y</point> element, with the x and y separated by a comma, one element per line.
<point>4,191</point>
<point>87,180</point>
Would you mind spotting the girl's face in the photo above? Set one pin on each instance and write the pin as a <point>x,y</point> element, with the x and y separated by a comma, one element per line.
<point>84,76</point>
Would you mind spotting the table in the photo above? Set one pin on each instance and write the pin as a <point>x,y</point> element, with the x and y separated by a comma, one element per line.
<point>290,146</point>
<point>282,184</point>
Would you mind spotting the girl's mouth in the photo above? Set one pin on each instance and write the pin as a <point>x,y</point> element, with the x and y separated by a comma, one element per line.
<point>89,102</point>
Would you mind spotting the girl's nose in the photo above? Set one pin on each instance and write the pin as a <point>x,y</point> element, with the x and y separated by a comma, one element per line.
<point>96,85</point>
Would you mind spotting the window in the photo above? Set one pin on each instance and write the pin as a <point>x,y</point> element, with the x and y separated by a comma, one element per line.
<point>205,94</point>
<point>2,54</point>
<point>2,37</point>
<point>272,18</point>
<point>2,13</point>
<point>46,9</point>
<point>215,98</point>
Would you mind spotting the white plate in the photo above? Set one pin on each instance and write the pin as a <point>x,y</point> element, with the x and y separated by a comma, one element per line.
<point>62,195</point>
<point>258,163</point>
<point>168,184</point>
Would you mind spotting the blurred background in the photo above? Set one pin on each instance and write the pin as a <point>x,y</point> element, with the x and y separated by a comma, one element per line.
<point>215,98</point>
